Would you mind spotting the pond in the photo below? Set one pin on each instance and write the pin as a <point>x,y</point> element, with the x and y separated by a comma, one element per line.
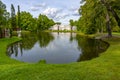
<point>56,48</point>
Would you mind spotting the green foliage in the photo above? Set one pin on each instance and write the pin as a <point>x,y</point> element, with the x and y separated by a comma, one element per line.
<point>18,18</point>
<point>23,20</point>
<point>71,22</point>
<point>13,18</point>
<point>44,38</point>
<point>4,15</point>
<point>4,18</point>
<point>93,16</point>
<point>2,10</point>
<point>90,19</point>
<point>44,23</point>
<point>27,22</point>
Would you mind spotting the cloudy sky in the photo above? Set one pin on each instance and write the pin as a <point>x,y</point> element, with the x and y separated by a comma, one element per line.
<point>58,10</point>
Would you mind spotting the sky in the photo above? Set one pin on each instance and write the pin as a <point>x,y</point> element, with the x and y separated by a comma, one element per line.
<point>58,10</point>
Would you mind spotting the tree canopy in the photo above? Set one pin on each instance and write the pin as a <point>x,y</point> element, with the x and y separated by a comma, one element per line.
<point>4,15</point>
<point>13,17</point>
<point>44,22</point>
<point>27,21</point>
<point>23,20</point>
<point>95,14</point>
<point>4,18</point>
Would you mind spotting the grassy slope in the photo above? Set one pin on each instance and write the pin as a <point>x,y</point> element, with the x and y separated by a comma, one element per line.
<point>105,67</point>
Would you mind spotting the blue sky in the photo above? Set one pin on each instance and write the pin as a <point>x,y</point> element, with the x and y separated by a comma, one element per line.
<point>58,10</point>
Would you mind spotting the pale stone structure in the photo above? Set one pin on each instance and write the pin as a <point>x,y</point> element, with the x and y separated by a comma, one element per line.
<point>62,27</point>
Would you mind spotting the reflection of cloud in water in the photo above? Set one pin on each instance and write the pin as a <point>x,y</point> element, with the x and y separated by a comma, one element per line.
<point>62,41</point>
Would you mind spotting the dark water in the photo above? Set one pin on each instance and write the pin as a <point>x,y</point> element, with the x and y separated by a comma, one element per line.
<point>56,48</point>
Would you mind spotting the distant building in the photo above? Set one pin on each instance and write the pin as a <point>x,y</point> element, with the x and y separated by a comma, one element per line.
<point>62,27</point>
<point>55,27</point>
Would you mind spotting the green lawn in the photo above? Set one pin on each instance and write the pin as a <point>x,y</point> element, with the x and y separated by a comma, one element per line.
<point>105,67</point>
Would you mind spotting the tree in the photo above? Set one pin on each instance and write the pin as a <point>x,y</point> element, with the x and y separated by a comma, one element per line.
<point>90,14</point>
<point>71,24</point>
<point>13,17</point>
<point>109,8</point>
<point>44,23</point>
<point>96,14</point>
<point>27,22</point>
<point>18,21</point>
<point>4,19</point>
<point>58,23</point>
<point>2,11</point>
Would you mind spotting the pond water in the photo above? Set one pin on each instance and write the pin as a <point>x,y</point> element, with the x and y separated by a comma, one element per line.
<point>56,48</point>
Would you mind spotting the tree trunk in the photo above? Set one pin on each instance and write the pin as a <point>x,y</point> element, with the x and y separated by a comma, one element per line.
<point>108,25</point>
<point>71,28</point>
<point>109,8</point>
<point>0,33</point>
<point>58,27</point>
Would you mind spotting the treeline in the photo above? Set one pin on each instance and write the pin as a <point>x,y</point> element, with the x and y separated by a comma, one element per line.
<point>27,22</point>
<point>22,20</point>
<point>99,16</point>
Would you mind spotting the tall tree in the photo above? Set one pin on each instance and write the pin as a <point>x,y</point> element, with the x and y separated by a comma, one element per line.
<point>4,17</point>
<point>110,8</point>
<point>2,13</point>
<point>18,21</point>
<point>90,13</point>
<point>71,24</point>
<point>13,17</point>
<point>58,24</point>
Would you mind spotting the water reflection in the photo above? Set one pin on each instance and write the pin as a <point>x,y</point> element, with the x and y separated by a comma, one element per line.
<point>28,42</point>
<point>90,48</point>
<point>56,48</point>
<point>45,38</point>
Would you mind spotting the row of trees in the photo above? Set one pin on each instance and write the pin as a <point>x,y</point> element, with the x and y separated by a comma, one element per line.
<point>99,16</point>
<point>22,20</point>
<point>26,21</point>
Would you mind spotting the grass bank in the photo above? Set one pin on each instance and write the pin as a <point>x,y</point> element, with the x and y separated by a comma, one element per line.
<point>105,67</point>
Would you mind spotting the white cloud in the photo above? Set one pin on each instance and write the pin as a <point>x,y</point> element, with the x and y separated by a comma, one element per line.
<point>61,16</point>
<point>59,7</point>
<point>51,12</point>
<point>34,9</point>
<point>76,13</point>
<point>73,8</point>
<point>55,13</point>
<point>43,5</point>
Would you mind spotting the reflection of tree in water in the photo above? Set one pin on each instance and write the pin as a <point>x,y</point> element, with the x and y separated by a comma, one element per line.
<point>45,38</point>
<point>90,48</point>
<point>13,49</point>
<point>71,36</point>
<point>28,40</point>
